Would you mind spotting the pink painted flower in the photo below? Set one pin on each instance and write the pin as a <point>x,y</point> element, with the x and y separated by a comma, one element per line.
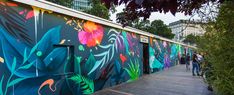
<point>91,35</point>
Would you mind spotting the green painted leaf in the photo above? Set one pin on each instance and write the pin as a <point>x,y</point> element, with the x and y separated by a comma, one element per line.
<point>81,48</point>
<point>86,84</point>
<point>133,70</point>
<point>1,90</point>
<point>15,81</point>
<point>13,65</point>
<point>78,59</point>
<point>28,65</point>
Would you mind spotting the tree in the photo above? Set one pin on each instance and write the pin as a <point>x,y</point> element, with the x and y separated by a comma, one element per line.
<point>218,44</point>
<point>144,8</point>
<point>66,3</point>
<point>98,9</point>
<point>140,24</point>
<point>158,27</point>
<point>191,39</point>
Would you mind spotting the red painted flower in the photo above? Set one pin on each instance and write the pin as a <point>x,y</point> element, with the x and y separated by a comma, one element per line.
<point>91,35</point>
<point>123,58</point>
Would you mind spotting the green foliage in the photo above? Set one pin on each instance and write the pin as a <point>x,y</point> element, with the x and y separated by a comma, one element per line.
<point>143,8</point>
<point>156,27</point>
<point>191,39</point>
<point>98,9</point>
<point>218,44</point>
<point>134,70</point>
<point>86,84</point>
<point>66,3</point>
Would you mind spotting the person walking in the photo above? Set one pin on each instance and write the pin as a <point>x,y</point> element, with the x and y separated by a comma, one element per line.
<point>187,62</point>
<point>195,65</point>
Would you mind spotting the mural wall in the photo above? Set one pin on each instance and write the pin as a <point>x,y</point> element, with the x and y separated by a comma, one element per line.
<point>164,54</point>
<point>44,53</point>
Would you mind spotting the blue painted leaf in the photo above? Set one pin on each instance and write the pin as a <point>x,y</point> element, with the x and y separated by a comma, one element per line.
<point>97,64</point>
<point>15,81</point>
<point>112,35</point>
<point>25,55</point>
<point>28,65</point>
<point>104,61</point>
<point>49,39</point>
<point>13,65</point>
<point>90,62</point>
<point>105,47</point>
<point>101,54</point>
<point>1,90</point>
<point>117,66</point>
<point>33,50</point>
<point>125,40</point>
<point>58,56</point>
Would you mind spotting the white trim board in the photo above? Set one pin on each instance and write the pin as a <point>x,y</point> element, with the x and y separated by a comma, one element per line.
<point>74,13</point>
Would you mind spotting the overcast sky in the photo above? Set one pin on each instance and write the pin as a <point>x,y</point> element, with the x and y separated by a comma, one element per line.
<point>167,18</point>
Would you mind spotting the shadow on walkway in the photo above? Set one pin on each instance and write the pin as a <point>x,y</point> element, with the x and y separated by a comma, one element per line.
<point>175,81</point>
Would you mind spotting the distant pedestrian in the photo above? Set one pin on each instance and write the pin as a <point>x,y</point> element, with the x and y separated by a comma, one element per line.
<point>182,59</point>
<point>195,65</point>
<point>187,62</point>
<point>200,60</point>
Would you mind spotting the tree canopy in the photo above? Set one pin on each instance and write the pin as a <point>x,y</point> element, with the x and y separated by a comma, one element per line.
<point>67,3</point>
<point>156,27</point>
<point>98,9</point>
<point>191,39</point>
<point>217,44</point>
<point>144,8</point>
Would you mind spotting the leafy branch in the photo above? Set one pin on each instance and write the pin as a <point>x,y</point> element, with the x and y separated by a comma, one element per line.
<point>86,84</point>
<point>114,38</point>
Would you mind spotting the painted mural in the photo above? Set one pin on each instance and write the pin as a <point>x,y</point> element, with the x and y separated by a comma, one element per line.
<point>46,53</point>
<point>164,54</point>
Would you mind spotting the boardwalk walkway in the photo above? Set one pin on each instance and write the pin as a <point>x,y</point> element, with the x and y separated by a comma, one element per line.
<point>175,81</point>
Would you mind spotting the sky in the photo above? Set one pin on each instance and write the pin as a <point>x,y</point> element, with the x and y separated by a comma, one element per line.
<point>166,18</point>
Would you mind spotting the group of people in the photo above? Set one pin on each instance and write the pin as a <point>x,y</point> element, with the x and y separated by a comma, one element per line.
<point>196,61</point>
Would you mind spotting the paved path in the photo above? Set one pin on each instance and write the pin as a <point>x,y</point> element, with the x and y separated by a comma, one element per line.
<point>175,81</point>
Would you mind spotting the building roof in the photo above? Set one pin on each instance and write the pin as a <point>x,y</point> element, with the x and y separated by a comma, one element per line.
<point>186,22</point>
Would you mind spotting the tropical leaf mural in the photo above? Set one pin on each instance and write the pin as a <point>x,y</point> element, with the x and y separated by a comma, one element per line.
<point>86,84</point>
<point>114,38</point>
<point>1,88</point>
<point>133,70</point>
<point>10,80</point>
<point>36,56</point>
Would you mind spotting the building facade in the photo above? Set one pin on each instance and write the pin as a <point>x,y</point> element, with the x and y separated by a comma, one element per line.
<point>81,5</point>
<point>183,28</point>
